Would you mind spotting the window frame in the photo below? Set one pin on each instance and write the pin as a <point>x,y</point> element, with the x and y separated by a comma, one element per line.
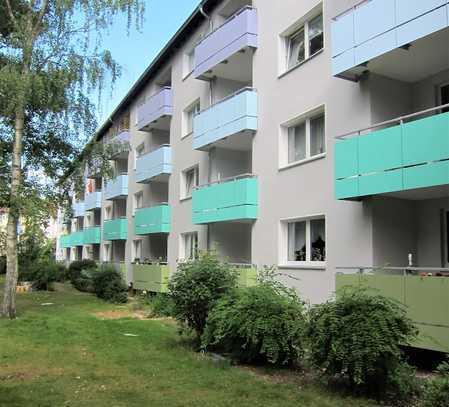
<point>196,171</point>
<point>136,243</point>
<point>284,262</point>
<point>183,245</point>
<point>292,32</point>
<point>306,118</point>
<point>193,108</point>
<point>136,196</point>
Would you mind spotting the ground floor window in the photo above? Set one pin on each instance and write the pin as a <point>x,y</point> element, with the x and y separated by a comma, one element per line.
<point>137,250</point>
<point>189,246</point>
<point>304,241</point>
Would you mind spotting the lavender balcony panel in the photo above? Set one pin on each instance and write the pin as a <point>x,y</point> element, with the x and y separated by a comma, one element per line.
<point>239,32</point>
<point>117,187</point>
<point>153,165</point>
<point>92,200</point>
<point>78,209</point>
<point>154,108</point>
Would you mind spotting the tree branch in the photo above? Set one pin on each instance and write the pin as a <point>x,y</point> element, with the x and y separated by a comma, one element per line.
<point>40,16</point>
<point>10,13</point>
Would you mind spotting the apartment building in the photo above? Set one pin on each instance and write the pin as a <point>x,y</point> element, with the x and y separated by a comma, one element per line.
<point>309,135</point>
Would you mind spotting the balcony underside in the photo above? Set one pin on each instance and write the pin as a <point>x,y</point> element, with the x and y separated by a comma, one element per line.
<point>161,121</point>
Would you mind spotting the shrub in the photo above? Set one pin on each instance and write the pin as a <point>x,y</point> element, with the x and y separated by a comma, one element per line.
<point>258,324</point>
<point>76,267</point>
<point>358,337</point>
<point>109,285</point>
<point>161,305</point>
<point>41,274</point>
<point>196,287</point>
<point>436,390</point>
<point>84,280</point>
<point>2,264</point>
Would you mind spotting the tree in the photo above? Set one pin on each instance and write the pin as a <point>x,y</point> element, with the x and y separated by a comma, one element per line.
<point>50,64</point>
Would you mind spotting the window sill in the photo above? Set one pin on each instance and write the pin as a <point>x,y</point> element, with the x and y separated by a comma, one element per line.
<point>286,72</point>
<point>186,198</point>
<point>303,266</point>
<point>302,162</point>
<point>186,135</point>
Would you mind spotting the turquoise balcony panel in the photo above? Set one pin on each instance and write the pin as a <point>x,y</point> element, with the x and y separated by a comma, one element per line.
<point>154,166</point>
<point>64,242</point>
<point>231,116</point>
<point>78,209</point>
<point>226,201</point>
<point>77,238</point>
<point>92,235</point>
<point>152,220</point>
<point>408,156</point>
<point>92,201</point>
<point>116,188</point>
<point>115,229</point>
<point>371,34</point>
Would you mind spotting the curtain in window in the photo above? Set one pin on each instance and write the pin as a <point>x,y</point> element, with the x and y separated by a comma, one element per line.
<point>316,34</point>
<point>297,241</point>
<point>317,238</point>
<point>296,50</point>
<point>317,136</point>
<point>297,143</point>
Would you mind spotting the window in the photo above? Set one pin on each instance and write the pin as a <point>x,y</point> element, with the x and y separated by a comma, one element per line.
<point>444,96</point>
<point>304,138</point>
<point>189,62</point>
<point>137,251</point>
<point>107,255</point>
<point>108,212</point>
<point>140,150</point>
<point>189,114</point>
<point>304,42</point>
<point>189,248</point>
<point>190,180</point>
<point>306,241</point>
<point>138,201</point>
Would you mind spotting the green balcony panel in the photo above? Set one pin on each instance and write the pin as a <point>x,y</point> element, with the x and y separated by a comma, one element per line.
<point>380,150</point>
<point>115,229</point>
<point>92,235</point>
<point>77,238</point>
<point>64,241</point>
<point>404,157</point>
<point>426,140</point>
<point>230,200</point>
<point>151,277</point>
<point>247,276</point>
<point>152,220</point>
<point>426,300</point>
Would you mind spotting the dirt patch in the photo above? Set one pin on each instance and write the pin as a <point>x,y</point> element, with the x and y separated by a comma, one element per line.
<point>114,314</point>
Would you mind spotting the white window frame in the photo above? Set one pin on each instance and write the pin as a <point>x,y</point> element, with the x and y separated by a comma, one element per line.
<point>183,244</point>
<point>194,108</point>
<point>284,142</point>
<point>283,243</point>
<point>189,56</point>
<point>196,170</point>
<point>107,252</point>
<point>136,249</point>
<point>302,24</point>
<point>108,212</point>
<point>136,204</point>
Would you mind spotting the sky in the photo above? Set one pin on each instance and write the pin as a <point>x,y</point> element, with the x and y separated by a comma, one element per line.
<point>136,51</point>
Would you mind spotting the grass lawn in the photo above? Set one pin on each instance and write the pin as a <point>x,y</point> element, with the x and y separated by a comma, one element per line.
<point>67,354</point>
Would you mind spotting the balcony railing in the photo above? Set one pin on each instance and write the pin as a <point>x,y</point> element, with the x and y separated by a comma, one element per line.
<point>72,240</point>
<point>247,274</point>
<point>92,200</point>
<point>226,200</point>
<point>376,27</point>
<point>424,292</point>
<point>115,229</point>
<point>92,235</point>
<point>78,209</point>
<point>235,34</point>
<point>155,219</point>
<point>154,165</point>
<point>401,154</point>
<point>120,143</point>
<point>154,108</point>
<point>151,277</point>
<point>117,187</point>
<point>230,116</point>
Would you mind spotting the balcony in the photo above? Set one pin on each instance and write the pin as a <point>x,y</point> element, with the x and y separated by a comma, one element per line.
<point>385,36</point>
<point>233,199</point>
<point>152,220</point>
<point>120,144</point>
<point>92,201</point>
<point>151,277</point>
<point>65,242</point>
<point>229,123</point>
<point>154,166</point>
<point>78,209</point>
<point>92,235</point>
<point>426,299</point>
<point>155,113</point>
<point>400,160</point>
<point>115,229</point>
<point>72,240</point>
<point>116,188</point>
<point>223,53</point>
